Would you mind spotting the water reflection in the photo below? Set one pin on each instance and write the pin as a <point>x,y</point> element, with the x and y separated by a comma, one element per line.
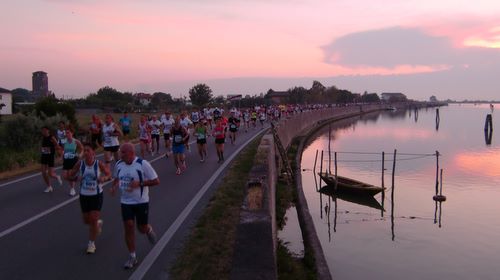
<point>488,135</point>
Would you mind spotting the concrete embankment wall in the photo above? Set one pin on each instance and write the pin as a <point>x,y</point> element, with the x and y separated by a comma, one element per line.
<point>256,241</point>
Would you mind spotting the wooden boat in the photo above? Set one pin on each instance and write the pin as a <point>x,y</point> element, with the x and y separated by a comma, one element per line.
<point>348,185</point>
<point>361,199</point>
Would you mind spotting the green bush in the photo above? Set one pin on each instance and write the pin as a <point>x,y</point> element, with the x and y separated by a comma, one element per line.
<point>21,139</point>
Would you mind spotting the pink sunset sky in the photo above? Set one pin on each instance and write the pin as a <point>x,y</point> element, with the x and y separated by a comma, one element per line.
<point>446,48</point>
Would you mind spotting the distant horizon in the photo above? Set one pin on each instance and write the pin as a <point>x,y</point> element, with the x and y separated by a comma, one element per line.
<point>422,48</point>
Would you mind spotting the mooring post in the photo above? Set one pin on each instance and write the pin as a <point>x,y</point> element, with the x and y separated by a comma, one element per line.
<point>329,150</point>
<point>315,159</point>
<point>336,179</point>
<point>488,124</point>
<point>441,183</point>
<point>392,195</point>
<point>321,163</point>
<point>437,171</point>
<point>383,184</point>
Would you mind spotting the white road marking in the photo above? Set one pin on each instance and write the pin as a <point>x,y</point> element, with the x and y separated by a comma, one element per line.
<point>56,168</point>
<point>52,209</point>
<point>145,265</point>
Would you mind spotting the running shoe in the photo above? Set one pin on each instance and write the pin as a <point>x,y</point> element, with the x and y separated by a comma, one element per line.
<point>72,192</point>
<point>178,171</point>
<point>130,263</point>
<point>91,248</point>
<point>49,189</point>
<point>183,166</point>
<point>151,235</point>
<point>99,226</point>
<point>59,180</point>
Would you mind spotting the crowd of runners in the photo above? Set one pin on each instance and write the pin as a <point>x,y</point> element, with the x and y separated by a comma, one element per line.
<point>133,175</point>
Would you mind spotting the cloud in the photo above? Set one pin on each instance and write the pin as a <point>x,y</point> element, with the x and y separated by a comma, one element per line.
<point>389,48</point>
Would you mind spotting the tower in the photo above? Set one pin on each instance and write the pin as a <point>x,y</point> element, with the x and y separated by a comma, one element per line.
<point>40,84</point>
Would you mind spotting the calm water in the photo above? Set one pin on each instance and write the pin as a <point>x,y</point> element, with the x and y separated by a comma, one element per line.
<point>413,238</point>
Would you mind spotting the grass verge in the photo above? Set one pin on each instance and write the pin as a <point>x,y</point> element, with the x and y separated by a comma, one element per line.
<point>209,251</point>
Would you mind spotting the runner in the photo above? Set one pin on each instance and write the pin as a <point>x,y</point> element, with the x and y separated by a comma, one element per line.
<point>233,127</point>
<point>61,134</point>
<point>262,118</point>
<point>167,123</point>
<point>125,123</point>
<point>179,136</point>
<point>96,131</point>
<point>187,124</point>
<point>195,117</point>
<point>111,132</point>
<point>71,151</point>
<point>246,119</point>
<point>155,125</point>
<point>144,135</point>
<point>48,151</point>
<point>134,176</point>
<point>218,133</point>
<point>254,119</point>
<point>91,173</point>
<point>201,134</point>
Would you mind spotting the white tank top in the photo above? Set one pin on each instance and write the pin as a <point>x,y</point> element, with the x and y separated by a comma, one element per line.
<point>109,140</point>
<point>89,174</point>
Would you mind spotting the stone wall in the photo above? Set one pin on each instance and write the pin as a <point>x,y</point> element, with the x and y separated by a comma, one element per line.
<point>256,241</point>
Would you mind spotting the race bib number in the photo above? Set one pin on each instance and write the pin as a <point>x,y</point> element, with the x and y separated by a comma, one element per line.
<point>89,184</point>
<point>107,140</point>
<point>178,138</point>
<point>125,183</point>
<point>46,150</point>
<point>201,136</point>
<point>69,155</point>
<point>232,126</point>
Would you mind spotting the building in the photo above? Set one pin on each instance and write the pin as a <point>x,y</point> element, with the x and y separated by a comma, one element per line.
<point>393,97</point>
<point>278,97</point>
<point>143,98</point>
<point>5,102</point>
<point>40,84</point>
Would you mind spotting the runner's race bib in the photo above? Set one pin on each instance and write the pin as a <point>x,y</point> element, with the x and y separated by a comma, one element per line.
<point>46,150</point>
<point>88,183</point>
<point>178,138</point>
<point>69,155</point>
<point>201,136</point>
<point>125,182</point>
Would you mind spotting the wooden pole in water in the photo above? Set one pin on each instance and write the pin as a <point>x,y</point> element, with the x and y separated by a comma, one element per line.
<point>392,195</point>
<point>383,183</point>
<point>488,124</point>
<point>329,150</point>
<point>321,163</point>
<point>437,171</point>
<point>336,179</point>
<point>315,159</point>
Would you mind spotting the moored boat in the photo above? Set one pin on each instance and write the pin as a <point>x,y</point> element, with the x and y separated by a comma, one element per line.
<point>348,185</point>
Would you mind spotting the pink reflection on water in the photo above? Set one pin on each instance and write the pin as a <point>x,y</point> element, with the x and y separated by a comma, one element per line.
<point>399,133</point>
<point>486,163</point>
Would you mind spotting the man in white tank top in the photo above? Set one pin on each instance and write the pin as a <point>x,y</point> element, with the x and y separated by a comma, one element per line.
<point>92,174</point>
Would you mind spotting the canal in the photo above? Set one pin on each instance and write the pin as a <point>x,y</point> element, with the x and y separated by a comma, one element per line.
<point>404,233</point>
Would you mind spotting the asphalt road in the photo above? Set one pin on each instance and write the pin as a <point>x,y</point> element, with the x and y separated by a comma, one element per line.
<point>42,236</point>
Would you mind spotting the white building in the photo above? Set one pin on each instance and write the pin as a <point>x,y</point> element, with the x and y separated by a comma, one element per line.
<point>5,102</point>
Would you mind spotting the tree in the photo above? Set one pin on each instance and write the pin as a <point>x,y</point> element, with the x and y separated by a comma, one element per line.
<point>200,95</point>
<point>161,100</point>
<point>50,107</point>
